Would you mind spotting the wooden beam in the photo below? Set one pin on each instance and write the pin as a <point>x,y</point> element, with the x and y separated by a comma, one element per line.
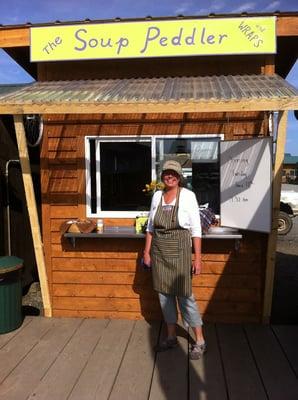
<point>269,67</point>
<point>289,103</point>
<point>286,26</point>
<point>32,210</point>
<point>14,37</point>
<point>272,239</point>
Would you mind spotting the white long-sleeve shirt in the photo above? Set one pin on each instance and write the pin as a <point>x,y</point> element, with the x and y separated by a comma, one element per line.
<point>188,212</point>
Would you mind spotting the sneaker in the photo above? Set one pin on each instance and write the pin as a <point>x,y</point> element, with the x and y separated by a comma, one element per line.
<point>167,344</point>
<point>197,350</point>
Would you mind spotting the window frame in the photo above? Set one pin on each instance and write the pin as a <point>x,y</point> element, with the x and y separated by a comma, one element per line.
<point>125,138</point>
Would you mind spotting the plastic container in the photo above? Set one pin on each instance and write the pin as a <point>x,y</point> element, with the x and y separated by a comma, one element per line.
<point>141,223</point>
<point>99,226</point>
<point>10,293</point>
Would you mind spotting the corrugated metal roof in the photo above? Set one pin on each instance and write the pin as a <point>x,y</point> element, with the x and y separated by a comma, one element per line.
<point>145,95</point>
<point>244,14</point>
<point>11,88</point>
<point>169,89</point>
<point>289,159</point>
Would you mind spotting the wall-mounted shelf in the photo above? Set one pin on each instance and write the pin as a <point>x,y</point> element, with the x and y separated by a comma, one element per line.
<point>124,232</point>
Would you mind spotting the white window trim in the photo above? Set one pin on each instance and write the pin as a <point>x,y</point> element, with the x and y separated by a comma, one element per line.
<point>125,138</point>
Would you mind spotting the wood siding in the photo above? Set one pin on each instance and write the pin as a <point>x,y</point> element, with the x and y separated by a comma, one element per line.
<point>152,67</point>
<point>101,277</point>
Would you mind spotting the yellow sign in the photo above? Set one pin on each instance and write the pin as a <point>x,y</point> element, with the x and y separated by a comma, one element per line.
<point>154,39</point>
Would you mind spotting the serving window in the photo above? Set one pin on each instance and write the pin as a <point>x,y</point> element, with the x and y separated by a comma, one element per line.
<point>199,158</point>
<point>118,168</point>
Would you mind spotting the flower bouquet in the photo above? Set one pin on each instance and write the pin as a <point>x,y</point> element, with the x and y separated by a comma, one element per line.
<point>152,187</point>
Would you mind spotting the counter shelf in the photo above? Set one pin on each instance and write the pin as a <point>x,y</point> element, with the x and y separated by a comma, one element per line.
<point>124,232</point>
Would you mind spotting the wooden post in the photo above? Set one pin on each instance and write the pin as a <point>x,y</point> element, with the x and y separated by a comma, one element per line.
<point>32,210</point>
<point>272,239</point>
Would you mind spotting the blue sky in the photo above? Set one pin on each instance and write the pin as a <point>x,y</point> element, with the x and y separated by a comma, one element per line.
<point>22,11</point>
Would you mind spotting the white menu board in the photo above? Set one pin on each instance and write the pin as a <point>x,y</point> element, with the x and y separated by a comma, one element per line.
<point>245,184</point>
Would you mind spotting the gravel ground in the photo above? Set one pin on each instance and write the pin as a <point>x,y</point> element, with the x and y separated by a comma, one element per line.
<point>32,303</point>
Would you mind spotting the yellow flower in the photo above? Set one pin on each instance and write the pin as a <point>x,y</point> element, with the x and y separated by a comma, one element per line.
<point>151,187</point>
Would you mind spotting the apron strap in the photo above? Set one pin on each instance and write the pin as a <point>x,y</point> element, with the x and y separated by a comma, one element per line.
<point>175,211</point>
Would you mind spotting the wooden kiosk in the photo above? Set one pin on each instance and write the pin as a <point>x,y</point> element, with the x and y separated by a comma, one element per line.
<point>107,126</point>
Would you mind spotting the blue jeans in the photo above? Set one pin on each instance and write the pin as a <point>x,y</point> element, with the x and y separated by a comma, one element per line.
<point>188,307</point>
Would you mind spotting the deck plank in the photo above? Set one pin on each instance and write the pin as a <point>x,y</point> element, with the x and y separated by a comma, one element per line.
<point>64,372</point>
<point>77,359</point>
<point>135,374</point>
<point>287,336</point>
<point>26,376</point>
<point>243,380</point>
<point>21,344</point>
<point>6,337</point>
<point>170,377</point>
<point>278,377</point>
<point>98,377</point>
<point>204,373</point>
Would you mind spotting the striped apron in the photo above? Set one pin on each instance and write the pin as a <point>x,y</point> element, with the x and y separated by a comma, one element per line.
<point>171,253</point>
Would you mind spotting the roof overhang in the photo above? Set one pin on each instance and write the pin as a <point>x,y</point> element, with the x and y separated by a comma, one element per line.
<point>154,95</point>
<point>15,39</point>
<point>128,108</point>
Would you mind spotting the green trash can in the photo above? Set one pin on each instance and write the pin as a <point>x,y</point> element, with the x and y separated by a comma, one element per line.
<point>10,293</point>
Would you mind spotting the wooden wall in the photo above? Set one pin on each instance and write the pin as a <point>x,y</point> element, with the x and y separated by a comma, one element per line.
<point>101,277</point>
<point>156,67</point>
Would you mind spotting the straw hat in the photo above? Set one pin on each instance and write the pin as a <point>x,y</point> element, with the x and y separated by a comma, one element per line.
<point>173,166</point>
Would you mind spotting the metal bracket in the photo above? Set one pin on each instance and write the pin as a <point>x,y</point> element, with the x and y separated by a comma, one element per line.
<point>237,244</point>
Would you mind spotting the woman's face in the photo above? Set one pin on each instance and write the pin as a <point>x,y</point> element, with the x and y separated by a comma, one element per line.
<point>170,178</point>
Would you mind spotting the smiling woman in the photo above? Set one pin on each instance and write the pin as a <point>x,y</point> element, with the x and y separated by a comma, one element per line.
<point>173,226</point>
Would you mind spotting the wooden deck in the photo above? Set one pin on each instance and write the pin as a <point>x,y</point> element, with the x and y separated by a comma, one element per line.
<point>84,359</point>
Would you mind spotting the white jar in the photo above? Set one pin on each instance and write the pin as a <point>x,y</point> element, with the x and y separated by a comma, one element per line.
<point>99,226</point>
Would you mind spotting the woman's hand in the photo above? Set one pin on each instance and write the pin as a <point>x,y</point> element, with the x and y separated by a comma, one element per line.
<point>196,266</point>
<point>146,254</point>
<point>197,263</point>
<point>147,259</point>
